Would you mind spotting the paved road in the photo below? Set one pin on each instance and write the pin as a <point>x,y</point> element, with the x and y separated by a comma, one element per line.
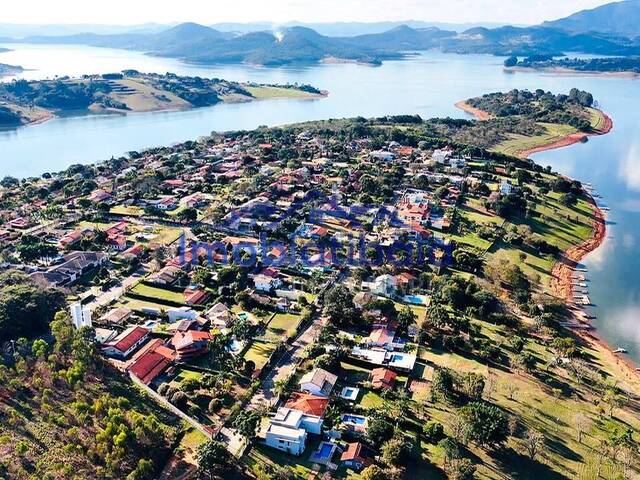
<point>265,396</point>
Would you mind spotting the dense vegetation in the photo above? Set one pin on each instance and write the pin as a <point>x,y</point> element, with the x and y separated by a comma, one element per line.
<point>25,308</point>
<point>611,64</point>
<point>67,415</point>
<point>539,106</point>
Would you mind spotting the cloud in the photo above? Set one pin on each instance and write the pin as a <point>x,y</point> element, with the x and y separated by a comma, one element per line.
<point>629,169</point>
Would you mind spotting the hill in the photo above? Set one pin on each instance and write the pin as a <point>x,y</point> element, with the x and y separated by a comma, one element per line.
<point>619,18</point>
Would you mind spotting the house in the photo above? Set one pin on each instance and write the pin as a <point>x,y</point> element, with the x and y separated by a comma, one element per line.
<point>382,155</point>
<point>100,196</point>
<point>441,156</point>
<point>182,313</point>
<point>357,456</point>
<point>219,315</point>
<point>313,408</point>
<point>267,280</point>
<point>152,360</point>
<point>195,296</point>
<point>380,337</point>
<point>318,382</point>
<point>360,299</point>
<point>74,265</point>
<point>506,188</point>
<point>384,285</point>
<point>116,315</point>
<point>166,203</point>
<point>191,343</point>
<point>286,439</point>
<point>70,238</point>
<point>383,378</point>
<point>126,343</point>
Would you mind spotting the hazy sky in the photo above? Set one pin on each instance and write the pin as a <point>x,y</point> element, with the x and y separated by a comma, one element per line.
<point>212,11</point>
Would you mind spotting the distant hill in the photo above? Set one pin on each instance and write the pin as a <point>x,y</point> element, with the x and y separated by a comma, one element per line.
<point>620,18</point>
<point>199,43</point>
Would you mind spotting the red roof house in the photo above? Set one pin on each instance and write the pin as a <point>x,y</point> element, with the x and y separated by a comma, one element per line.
<point>383,378</point>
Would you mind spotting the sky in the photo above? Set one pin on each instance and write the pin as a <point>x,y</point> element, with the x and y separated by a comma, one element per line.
<point>129,12</point>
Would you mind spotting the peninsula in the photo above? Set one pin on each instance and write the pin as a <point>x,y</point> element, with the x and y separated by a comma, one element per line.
<point>613,66</point>
<point>435,345</point>
<point>23,102</point>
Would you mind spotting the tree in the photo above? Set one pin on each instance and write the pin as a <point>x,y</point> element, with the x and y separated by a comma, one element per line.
<point>189,214</point>
<point>461,469</point>
<point>394,450</point>
<point>339,306</point>
<point>380,429</point>
<point>582,423</point>
<point>214,460</point>
<point>373,472</point>
<point>246,422</point>
<point>533,443</point>
<point>487,424</point>
<point>143,471</point>
<point>433,432</point>
<point>39,348</point>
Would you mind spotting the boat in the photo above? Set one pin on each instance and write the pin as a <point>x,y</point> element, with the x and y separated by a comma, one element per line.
<point>620,350</point>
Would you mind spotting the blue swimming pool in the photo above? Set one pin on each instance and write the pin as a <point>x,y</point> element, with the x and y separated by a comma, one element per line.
<point>325,450</point>
<point>414,299</point>
<point>354,419</point>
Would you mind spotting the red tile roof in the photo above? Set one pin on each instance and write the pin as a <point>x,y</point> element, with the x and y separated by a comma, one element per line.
<point>149,366</point>
<point>308,404</point>
<point>129,338</point>
<point>383,378</point>
<point>358,452</point>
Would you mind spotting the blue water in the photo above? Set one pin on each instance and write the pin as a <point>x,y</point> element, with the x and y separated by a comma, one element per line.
<point>325,450</point>
<point>428,84</point>
<point>353,419</point>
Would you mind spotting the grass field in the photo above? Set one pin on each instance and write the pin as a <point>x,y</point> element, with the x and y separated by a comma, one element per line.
<point>282,326</point>
<point>276,92</point>
<point>157,293</point>
<point>519,143</point>
<point>259,353</point>
<point>128,211</point>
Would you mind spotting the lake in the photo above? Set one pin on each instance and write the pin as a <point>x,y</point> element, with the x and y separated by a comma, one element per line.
<point>428,84</point>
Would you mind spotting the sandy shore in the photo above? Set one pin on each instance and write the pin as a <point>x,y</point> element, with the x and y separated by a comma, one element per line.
<point>476,112</point>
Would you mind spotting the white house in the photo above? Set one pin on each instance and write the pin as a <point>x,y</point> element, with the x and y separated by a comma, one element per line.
<point>182,313</point>
<point>441,156</point>
<point>318,382</point>
<point>384,285</point>
<point>219,315</point>
<point>382,155</point>
<point>287,430</point>
<point>505,187</point>
<point>266,283</point>
<point>126,343</point>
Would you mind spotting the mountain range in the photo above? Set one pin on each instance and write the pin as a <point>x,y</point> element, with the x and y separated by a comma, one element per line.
<point>612,29</point>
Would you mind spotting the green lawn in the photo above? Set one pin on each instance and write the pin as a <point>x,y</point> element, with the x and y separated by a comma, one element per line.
<point>259,353</point>
<point>371,400</point>
<point>128,211</point>
<point>158,293</point>
<point>276,92</point>
<point>519,143</point>
<point>282,325</point>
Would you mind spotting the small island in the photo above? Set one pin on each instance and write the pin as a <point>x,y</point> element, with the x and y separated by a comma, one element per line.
<point>24,102</point>
<point>628,66</point>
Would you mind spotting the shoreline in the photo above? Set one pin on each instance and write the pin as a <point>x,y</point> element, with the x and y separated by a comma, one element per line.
<point>562,272</point>
<point>476,112</point>
<point>568,72</point>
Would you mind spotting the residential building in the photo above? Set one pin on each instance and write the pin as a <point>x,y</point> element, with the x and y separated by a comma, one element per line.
<point>126,343</point>
<point>318,382</point>
<point>357,456</point>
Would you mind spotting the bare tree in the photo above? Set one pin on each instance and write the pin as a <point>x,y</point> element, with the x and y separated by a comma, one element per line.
<point>533,442</point>
<point>582,423</point>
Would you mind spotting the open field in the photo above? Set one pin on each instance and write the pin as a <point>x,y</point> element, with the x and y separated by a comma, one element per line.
<point>520,143</point>
<point>158,293</point>
<point>282,326</point>
<point>259,353</point>
<point>277,92</point>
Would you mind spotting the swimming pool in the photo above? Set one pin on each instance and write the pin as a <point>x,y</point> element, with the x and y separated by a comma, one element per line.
<point>325,450</point>
<point>414,299</point>
<point>356,420</point>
